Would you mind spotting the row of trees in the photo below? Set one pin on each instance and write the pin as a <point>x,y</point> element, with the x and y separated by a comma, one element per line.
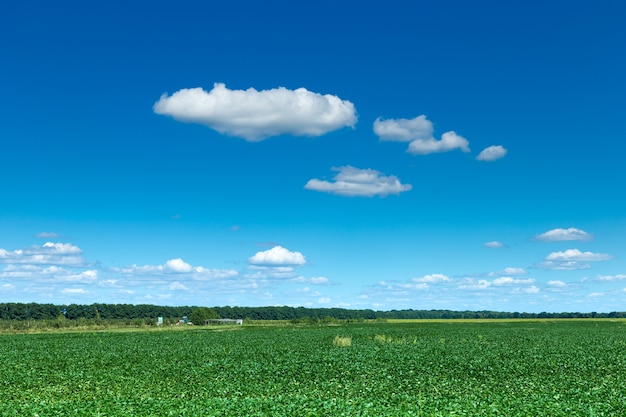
<point>35,311</point>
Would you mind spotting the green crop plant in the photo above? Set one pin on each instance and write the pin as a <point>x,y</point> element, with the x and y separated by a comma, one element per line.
<point>526,368</point>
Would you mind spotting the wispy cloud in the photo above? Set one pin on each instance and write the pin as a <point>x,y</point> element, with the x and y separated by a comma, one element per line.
<point>419,133</point>
<point>492,153</point>
<point>494,244</point>
<point>48,235</point>
<point>355,182</point>
<point>577,255</point>
<point>49,253</point>
<point>618,277</point>
<point>255,115</point>
<point>556,235</point>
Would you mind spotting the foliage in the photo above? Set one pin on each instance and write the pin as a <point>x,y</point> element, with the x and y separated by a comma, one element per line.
<point>34,311</point>
<point>529,368</point>
<point>200,315</point>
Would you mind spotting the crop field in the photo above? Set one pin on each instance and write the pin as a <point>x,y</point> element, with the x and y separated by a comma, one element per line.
<point>524,368</point>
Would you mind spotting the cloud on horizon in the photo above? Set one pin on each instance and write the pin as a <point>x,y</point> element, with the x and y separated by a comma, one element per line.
<point>256,115</point>
<point>355,182</point>
<point>419,133</point>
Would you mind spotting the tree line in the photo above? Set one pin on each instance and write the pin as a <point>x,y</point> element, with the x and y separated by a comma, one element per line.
<point>36,311</point>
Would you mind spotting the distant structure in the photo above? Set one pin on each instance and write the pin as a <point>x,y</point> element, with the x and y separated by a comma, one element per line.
<point>224,321</point>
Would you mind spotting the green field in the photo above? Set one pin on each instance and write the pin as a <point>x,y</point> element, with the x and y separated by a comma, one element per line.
<point>496,368</point>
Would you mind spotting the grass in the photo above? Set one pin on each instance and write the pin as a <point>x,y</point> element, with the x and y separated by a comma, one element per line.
<point>526,368</point>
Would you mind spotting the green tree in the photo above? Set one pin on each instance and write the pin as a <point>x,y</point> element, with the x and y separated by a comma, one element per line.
<point>202,314</point>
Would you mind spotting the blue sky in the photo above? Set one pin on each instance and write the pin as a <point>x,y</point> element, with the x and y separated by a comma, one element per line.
<point>397,155</point>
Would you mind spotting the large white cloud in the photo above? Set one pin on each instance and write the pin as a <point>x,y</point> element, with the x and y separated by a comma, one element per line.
<point>492,153</point>
<point>277,256</point>
<point>255,115</point>
<point>419,132</point>
<point>556,235</point>
<point>355,182</point>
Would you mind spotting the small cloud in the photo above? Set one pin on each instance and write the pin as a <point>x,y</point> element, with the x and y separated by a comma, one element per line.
<point>494,244</point>
<point>471,284</point>
<point>563,266</point>
<point>557,235</point>
<point>557,284</point>
<point>491,153</point>
<point>527,290</point>
<point>511,281</point>
<point>48,235</point>
<point>319,280</point>
<point>618,277</point>
<point>432,278</point>
<point>177,266</point>
<point>177,286</point>
<point>512,271</point>
<point>449,142</point>
<point>277,256</point>
<point>355,182</point>
<point>74,291</point>
<point>576,255</point>
<point>323,300</point>
<point>255,115</point>
<point>419,133</point>
<point>234,228</point>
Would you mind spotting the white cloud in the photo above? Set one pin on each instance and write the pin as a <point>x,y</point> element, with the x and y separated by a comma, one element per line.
<point>494,244</point>
<point>527,290</point>
<point>277,256</point>
<point>178,286</point>
<point>355,182</point>
<point>564,266</point>
<point>432,278</point>
<point>471,284</point>
<point>556,235</point>
<point>557,284</point>
<point>491,153</point>
<point>319,280</point>
<point>511,281</point>
<point>618,277</point>
<point>512,271</point>
<point>449,142</point>
<point>271,272</point>
<point>255,115</point>
<point>404,130</point>
<point>48,253</point>
<point>177,266</point>
<point>323,300</point>
<point>48,235</point>
<point>419,132</point>
<point>577,256</point>
<point>74,291</point>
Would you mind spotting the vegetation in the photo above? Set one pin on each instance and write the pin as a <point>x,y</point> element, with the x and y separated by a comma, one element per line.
<point>146,312</point>
<point>493,368</point>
